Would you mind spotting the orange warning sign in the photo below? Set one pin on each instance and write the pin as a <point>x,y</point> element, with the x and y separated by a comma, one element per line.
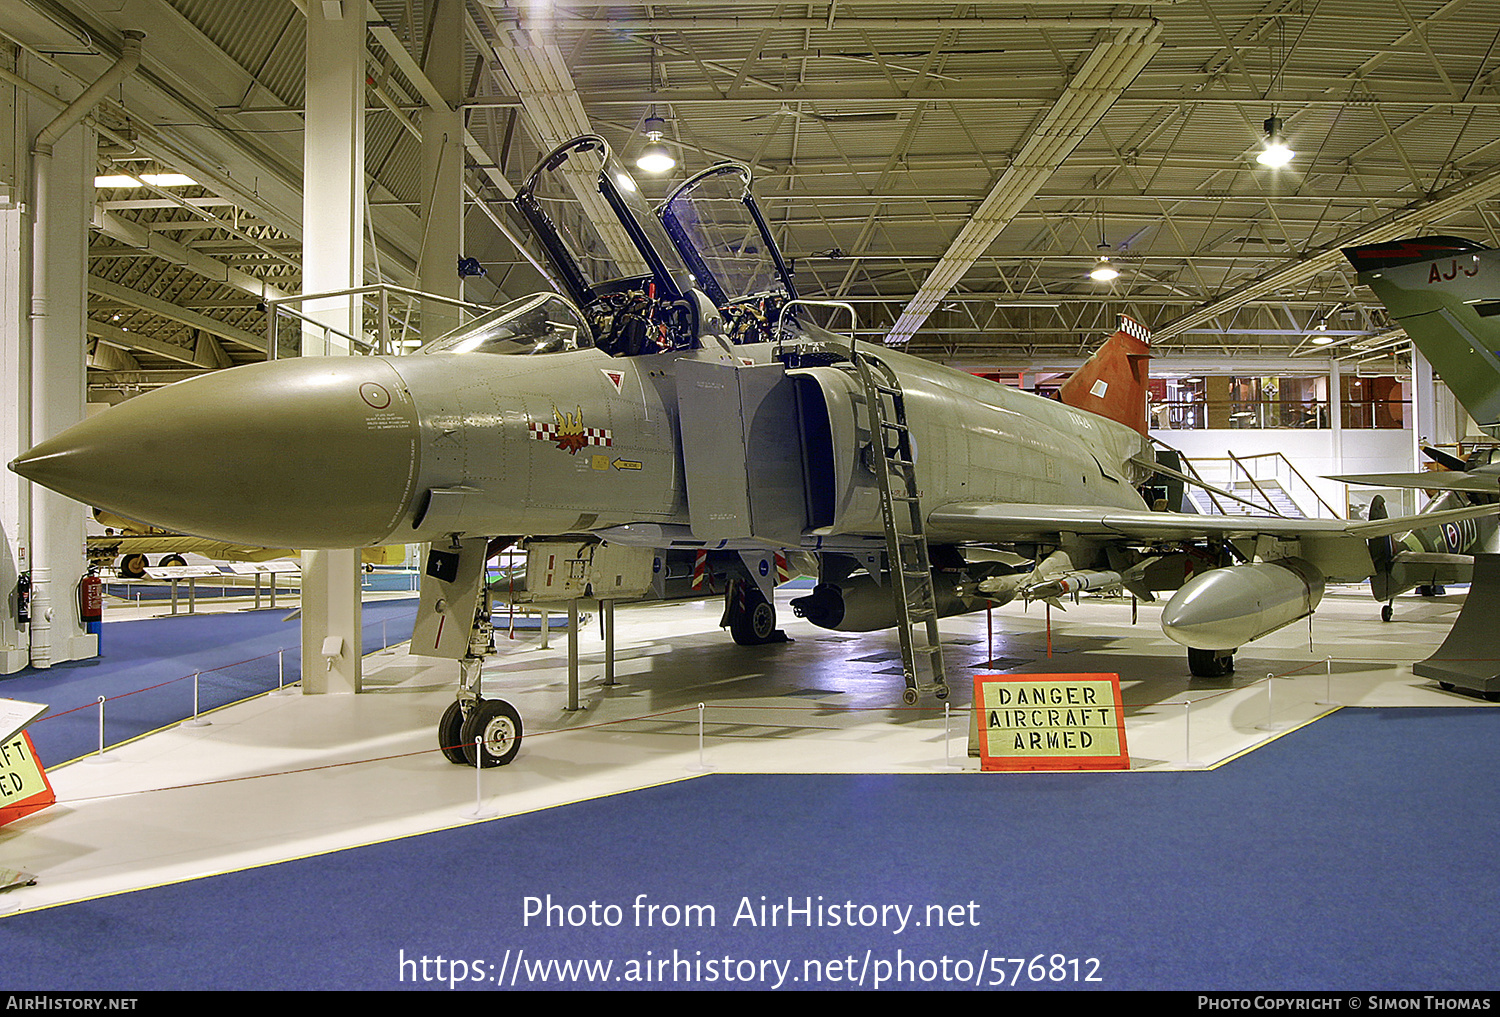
<point>1050,722</point>
<point>24,787</point>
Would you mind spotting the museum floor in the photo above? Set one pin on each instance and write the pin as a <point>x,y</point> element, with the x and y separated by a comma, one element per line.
<point>282,777</point>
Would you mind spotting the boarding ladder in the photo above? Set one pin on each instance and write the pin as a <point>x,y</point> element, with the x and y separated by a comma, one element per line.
<point>890,457</point>
<point>907,557</point>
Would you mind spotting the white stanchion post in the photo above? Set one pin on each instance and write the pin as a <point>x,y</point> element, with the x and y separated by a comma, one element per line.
<point>702,766</point>
<point>100,757</point>
<point>281,689</point>
<point>948,763</point>
<point>480,812</point>
<point>1328,699</point>
<point>1270,724</point>
<point>197,721</point>
<point>1187,737</point>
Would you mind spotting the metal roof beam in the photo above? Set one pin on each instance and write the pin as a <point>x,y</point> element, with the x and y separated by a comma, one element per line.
<point>1109,68</point>
<point>1330,257</point>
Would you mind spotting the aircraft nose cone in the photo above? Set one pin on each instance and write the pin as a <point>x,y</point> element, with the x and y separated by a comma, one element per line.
<point>307,453</point>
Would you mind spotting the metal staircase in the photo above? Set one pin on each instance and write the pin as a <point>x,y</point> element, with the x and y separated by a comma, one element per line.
<point>1268,495</point>
<point>907,558</point>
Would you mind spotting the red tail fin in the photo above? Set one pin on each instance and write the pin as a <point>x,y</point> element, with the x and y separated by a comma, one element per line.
<point>1112,383</point>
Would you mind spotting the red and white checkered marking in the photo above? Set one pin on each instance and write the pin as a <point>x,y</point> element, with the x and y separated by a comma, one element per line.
<point>547,431</point>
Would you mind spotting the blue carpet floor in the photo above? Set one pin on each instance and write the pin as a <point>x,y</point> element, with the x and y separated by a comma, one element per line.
<point>1352,854</point>
<point>146,667</point>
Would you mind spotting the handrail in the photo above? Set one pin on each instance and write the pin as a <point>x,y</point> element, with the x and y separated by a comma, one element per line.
<point>1196,479</point>
<point>1270,505</point>
<point>780,330</point>
<point>383,291</point>
<point>1240,461</point>
<point>1305,483</point>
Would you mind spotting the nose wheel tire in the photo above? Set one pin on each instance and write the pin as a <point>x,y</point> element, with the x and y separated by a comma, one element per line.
<point>451,736</point>
<point>497,726</point>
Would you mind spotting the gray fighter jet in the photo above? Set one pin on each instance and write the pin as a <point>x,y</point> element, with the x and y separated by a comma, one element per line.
<point>680,397</point>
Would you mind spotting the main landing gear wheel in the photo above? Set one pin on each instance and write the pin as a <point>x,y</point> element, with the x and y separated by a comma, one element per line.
<point>172,561</point>
<point>752,621</point>
<point>1210,663</point>
<point>1387,612</point>
<point>498,726</point>
<point>133,566</point>
<point>451,734</point>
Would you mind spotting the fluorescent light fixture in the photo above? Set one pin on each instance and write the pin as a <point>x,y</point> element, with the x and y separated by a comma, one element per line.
<point>116,180</point>
<point>1028,303</point>
<point>1276,153</point>
<point>169,180</point>
<point>1104,271</point>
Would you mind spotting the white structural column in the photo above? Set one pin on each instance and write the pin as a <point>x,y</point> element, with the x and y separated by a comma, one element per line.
<point>442,169</point>
<point>1423,418</point>
<point>62,203</point>
<point>333,164</point>
<point>15,428</point>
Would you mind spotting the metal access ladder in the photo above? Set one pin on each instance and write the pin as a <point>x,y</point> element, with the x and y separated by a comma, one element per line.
<point>907,557</point>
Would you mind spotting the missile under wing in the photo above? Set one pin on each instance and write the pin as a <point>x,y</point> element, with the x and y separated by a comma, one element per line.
<point>679,395</point>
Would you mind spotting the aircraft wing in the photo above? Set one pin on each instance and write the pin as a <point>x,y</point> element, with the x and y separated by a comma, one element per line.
<point>1472,483</point>
<point>976,521</point>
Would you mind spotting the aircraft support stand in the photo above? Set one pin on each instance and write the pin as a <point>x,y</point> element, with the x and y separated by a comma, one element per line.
<point>1467,659</point>
<point>573,706</point>
<point>607,617</point>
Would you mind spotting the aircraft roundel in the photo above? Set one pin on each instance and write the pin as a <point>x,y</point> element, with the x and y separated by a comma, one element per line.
<point>765,567</point>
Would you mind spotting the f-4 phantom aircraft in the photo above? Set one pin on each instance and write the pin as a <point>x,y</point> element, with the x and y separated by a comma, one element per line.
<point>680,396</point>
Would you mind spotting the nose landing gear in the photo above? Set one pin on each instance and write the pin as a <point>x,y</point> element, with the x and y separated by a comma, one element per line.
<point>475,731</point>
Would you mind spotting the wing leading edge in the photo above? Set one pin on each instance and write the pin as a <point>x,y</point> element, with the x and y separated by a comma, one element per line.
<point>1001,522</point>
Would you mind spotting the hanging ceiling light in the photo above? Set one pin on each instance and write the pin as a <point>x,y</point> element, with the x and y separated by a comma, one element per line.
<point>1276,153</point>
<point>655,158</point>
<point>1104,271</point>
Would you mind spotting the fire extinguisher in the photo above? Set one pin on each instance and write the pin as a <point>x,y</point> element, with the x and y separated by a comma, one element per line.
<point>91,600</point>
<point>23,599</point>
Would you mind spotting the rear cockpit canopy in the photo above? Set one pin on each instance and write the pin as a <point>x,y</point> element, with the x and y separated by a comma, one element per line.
<point>718,229</point>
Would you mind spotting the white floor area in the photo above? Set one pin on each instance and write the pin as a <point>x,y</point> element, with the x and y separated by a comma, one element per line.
<point>281,777</point>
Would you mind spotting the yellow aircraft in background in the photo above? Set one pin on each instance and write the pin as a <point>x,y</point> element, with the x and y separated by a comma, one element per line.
<point>127,546</point>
